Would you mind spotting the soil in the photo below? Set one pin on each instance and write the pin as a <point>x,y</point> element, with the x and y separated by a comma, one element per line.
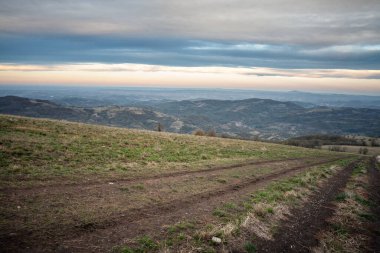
<point>119,228</point>
<point>374,193</point>
<point>297,234</point>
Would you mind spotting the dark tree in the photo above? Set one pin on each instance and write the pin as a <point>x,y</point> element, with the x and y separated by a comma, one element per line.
<point>159,127</point>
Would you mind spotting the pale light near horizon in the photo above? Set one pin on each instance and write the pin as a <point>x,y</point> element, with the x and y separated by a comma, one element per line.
<point>95,74</point>
<point>324,45</point>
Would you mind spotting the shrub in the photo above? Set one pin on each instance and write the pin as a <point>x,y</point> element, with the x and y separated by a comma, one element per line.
<point>160,128</point>
<point>211,133</point>
<point>363,151</point>
<point>199,132</point>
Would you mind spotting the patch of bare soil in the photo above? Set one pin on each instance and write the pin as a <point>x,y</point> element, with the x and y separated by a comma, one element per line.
<point>374,194</point>
<point>297,234</point>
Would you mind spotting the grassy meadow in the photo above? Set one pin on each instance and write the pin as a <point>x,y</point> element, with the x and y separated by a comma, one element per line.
<point>62,179</point>
<point>43,151</point>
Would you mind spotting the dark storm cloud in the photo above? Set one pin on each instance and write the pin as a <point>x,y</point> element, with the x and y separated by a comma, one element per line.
<point>278,33</point>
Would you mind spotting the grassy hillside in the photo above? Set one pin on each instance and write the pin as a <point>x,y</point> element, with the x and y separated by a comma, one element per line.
<point>72,187</point>
<point>41,151</point>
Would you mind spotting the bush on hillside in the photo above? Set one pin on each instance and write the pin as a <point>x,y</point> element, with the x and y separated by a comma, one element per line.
<point>211,133</point>
<point>199,132</point>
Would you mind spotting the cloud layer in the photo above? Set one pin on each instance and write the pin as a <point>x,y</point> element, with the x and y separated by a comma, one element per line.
<point>182,52</point>
<point>267,22</point>
<point>336,36</point>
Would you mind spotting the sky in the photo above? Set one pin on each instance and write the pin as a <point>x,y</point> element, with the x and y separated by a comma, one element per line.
<point>319,45</point>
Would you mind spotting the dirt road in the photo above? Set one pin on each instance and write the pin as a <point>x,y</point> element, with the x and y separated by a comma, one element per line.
<point>119,227</point>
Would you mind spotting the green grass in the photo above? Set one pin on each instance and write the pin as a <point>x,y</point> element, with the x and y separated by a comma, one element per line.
<point>180,227</point>
<point>367,216</point>
<point>341,197</point>
<point>363,201</point>
<point>46,150</point>
<point>37,152</point>
<point>230,206</point>
<point>145,245</point>
<point>250,247</point>
<point>274,195</point>
<point>178,233</point>
<point>263,202</point>
<point>346,232</point>
<point>340,230</point>
<point>219,213</point>
<point>221,180</point>
<point>275,192</point>
<point>138,187</point>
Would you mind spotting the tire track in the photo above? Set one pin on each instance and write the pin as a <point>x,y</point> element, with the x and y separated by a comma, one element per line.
<point>374,191</point>
<point>62,186</point>
<point>150,220</point>
<point>297,234</point>
<point>103,235</point>
<point>203,196</point>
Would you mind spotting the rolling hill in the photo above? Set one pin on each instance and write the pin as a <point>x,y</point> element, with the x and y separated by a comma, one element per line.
<point>249,118</point>
<point>129,117</point>
<point>270,119</point>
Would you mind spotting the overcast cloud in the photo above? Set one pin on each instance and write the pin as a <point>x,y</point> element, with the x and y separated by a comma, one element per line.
<point>330,34</point>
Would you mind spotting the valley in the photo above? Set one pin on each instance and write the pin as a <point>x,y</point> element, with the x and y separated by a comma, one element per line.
<point>246,119</point>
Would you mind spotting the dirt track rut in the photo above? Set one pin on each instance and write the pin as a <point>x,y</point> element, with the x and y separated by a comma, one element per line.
<point>61,186</point>
<point>297,234</point>
<point>105,234</point>
<point>142,213</point>
<point>374,191</point>
<point>151,220</point>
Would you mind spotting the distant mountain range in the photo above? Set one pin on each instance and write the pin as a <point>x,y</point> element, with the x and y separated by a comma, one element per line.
<point>249,118</point>
<point>271,119</point>
<point>130,117</point>
<point>127,96</point>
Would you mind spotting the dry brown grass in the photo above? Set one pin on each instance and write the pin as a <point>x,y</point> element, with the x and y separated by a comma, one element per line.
<point>265,216</point>
<point>36,152</point>
<point>346,231</point>
<point>39,151</point>
<point>355,149</point>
